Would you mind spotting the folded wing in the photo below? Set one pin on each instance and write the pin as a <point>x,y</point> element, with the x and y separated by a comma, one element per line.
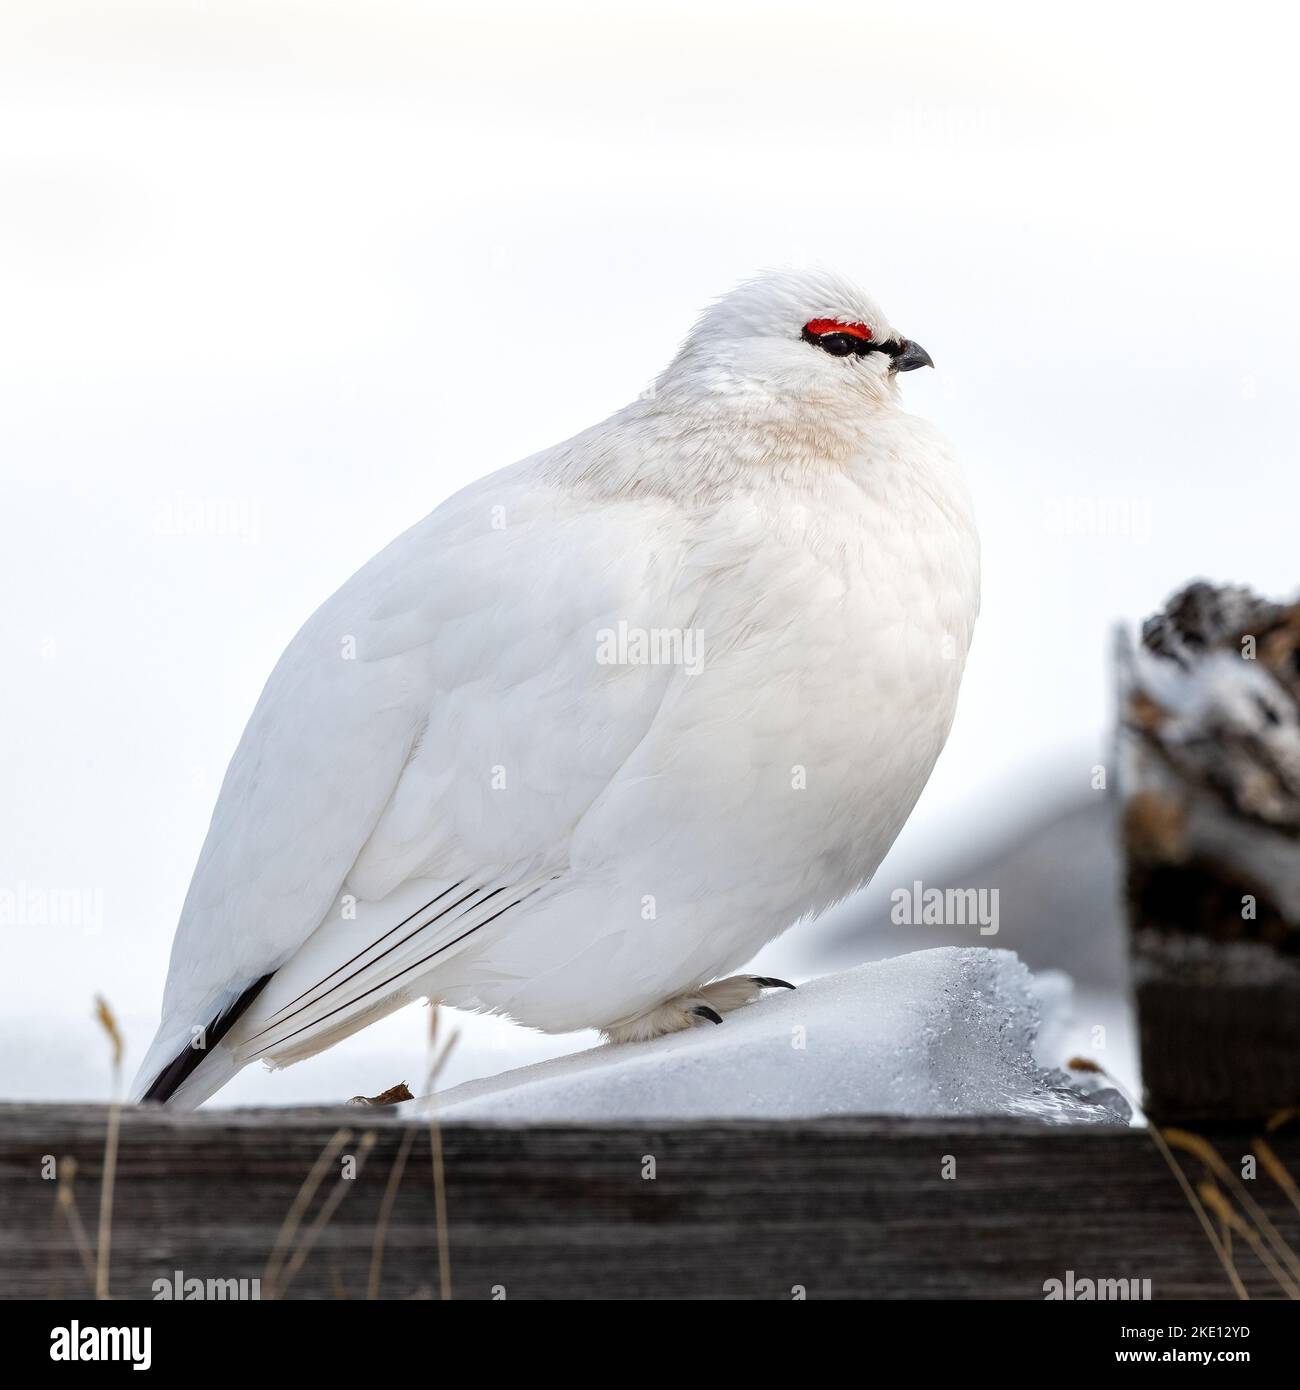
<point>414,768</point>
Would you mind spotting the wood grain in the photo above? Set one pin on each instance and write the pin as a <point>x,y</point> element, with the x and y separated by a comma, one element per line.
<point>847,1208</point>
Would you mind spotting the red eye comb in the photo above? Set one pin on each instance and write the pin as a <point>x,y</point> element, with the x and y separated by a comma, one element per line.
<point>855,330</point>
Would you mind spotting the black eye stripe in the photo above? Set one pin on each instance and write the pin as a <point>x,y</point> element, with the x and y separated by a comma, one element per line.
<point>841,344</point>
<point>849,345</point>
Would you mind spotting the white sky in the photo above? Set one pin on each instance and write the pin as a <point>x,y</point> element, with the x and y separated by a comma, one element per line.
<point>302,270</point>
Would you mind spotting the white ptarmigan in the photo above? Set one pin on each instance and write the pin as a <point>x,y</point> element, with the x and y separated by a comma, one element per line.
<point>577,744</point>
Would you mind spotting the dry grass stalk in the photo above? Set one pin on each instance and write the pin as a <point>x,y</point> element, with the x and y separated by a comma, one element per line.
<point>386,1210</point>
<point>1209,1156</point>
<point>1084,1064</point>
<point>65,1202</point>
<point>293,1217</point>
<point>1222,1208</point>
<point>328,1208</point>
<point>1276,1170</point>
<point>435,1154</point>
<point>399,1168</point>
<point>105,1017</point>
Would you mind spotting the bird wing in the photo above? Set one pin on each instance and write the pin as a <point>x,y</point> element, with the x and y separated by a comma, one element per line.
<point>444,719</point>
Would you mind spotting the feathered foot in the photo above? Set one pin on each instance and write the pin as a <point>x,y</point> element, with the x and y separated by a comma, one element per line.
<point>704,1004</point>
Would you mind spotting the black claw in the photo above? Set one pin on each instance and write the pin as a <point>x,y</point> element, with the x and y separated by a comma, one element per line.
<point>705,1012</point>
<point>770,982</point>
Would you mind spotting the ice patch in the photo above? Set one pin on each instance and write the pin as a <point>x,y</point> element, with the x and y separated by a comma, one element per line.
<point>936,1033</point>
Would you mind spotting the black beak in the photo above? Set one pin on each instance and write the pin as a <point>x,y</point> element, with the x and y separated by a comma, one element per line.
<point>911,356</point>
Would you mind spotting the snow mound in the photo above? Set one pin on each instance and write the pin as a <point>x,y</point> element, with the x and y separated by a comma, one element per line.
<point>939,1033</point>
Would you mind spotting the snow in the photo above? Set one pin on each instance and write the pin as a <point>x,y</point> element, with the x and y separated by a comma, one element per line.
<point>942,1032</point>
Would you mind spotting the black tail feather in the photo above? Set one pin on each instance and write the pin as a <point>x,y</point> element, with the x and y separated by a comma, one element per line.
<point>183,1065</point>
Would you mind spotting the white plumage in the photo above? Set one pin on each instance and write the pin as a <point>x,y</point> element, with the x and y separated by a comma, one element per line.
<point>450,788</point>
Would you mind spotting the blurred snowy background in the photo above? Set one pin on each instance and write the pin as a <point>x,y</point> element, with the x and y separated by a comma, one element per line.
<point>276,278</point>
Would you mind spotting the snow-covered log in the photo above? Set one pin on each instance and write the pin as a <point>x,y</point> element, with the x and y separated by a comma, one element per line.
<point>948,1032</point>
<point>1209,756</point>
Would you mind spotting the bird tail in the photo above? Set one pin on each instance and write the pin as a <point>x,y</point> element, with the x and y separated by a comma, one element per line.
<point>189,1075</point>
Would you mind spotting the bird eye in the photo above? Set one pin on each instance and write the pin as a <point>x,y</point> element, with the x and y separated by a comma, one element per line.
<point>839,339</point>
<point>837,344</point>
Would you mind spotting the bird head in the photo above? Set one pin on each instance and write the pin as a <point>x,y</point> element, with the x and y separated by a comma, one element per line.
<point>792,338</point>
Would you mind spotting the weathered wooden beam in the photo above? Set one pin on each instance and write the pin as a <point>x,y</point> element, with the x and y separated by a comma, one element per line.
<point>840,1208</point>
<point>1209,745</point>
